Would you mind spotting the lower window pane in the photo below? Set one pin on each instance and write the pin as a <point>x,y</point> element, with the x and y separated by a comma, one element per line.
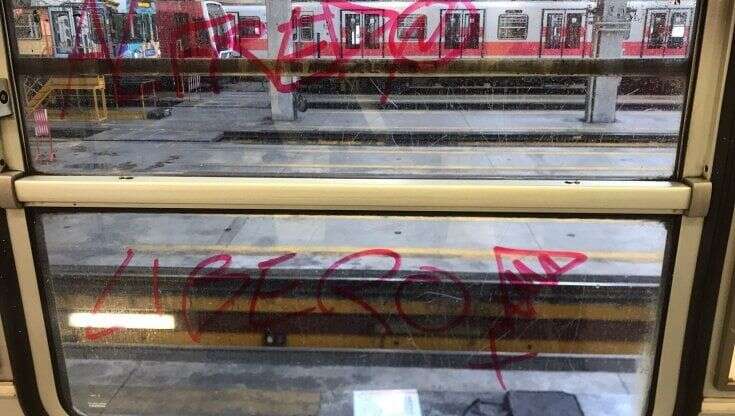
<point>263,314</point>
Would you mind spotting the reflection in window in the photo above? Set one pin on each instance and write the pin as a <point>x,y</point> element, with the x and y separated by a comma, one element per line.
<point>353,31</point>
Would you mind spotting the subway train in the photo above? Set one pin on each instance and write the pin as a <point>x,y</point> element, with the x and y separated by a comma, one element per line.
<point>461,29</point>
<point>446,30</point>
<point>341,30</point>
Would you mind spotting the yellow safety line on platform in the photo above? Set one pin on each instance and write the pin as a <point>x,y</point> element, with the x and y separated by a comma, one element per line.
<point>624,256</point>
<point>345,341</point>
<point>434,307</point>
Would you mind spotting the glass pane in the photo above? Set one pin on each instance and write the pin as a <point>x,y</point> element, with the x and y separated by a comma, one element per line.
<point>211,314</point>
<point>144,109</point>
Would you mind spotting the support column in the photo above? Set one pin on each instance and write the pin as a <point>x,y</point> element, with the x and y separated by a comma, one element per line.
<point>278,12</point>
<point>611,23</point>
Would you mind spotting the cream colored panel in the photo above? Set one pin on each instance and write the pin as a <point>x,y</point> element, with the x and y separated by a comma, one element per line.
<point>31,298</point>
<point>356,194</point>
<point>676,316</point>
<point>705,115</point>
<point>9,405</point>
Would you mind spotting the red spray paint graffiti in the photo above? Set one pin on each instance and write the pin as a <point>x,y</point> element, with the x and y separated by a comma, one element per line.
<point>521,273</point>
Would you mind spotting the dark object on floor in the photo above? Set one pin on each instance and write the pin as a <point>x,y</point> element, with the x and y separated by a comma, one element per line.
<point>483,408</point>
<point>158,113</point>
<point>542,403</point>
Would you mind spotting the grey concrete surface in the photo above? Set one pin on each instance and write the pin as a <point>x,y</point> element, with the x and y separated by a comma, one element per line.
<point>167,388</point>
<point>216,134</point>
<point>113,157</point>
<point>629,251</point>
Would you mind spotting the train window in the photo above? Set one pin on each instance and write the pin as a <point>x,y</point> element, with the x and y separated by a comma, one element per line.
<point>412,27</point>
<point>513,26</point>
<point>64,32</point>
<point>553,29</point>
<point>353,29</point>
<point>250,27</point>
<point>136,28</point>
<point>153,28</point>
<point>201,28</point>
<point>220,27</point>
<point>373,31</point>
<point>326,308</point>
<point>473,31</point>
<point>141,28</point>
<point>27,24</point>
<point>306,27</point>
<point>678,30</point>
<point>118,30</point>
<point>462,30</point>
<point>658,31</point>
<point>573,37</point>
<point>181,22</point>
<point>427,114</point>
<point>452,30</point>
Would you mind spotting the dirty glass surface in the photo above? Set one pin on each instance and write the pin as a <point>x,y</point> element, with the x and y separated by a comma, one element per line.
<point>105,88</point>
<point>223,314</point>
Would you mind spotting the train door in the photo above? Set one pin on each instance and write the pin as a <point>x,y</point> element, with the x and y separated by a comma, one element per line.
<point>666,32</point>
<point>362,33</point>
<point>462,32</point>
<point>563,33</point>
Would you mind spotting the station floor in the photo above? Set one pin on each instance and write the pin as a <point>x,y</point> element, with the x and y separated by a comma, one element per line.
<point>230,133</point>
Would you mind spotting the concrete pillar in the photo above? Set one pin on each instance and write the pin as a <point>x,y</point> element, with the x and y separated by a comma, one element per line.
<point>278,12</point>
<point>611,23</point>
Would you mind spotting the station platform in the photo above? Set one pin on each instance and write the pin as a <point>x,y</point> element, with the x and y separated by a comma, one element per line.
<point>231,133</point>
<point>205,116</point>
<point>628,251</point>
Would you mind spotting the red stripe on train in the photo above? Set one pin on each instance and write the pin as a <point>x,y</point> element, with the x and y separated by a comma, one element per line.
<point>418,49</point>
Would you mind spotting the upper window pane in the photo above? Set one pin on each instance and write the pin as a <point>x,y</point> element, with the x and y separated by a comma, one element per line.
<point>359,89</point>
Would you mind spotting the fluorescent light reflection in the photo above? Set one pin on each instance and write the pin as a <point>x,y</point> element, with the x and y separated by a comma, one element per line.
<point>121,320</point>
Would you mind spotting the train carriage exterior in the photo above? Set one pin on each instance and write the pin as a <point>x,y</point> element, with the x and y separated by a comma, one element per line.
<point>445,30</point>
<point>344,30</point>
